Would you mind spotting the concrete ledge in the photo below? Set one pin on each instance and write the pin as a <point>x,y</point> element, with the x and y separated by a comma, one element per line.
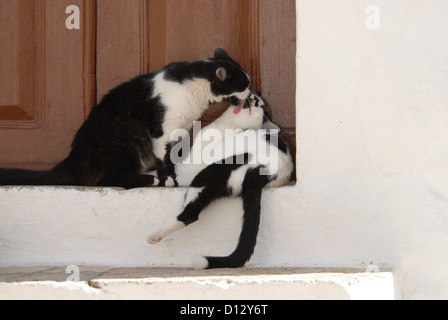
<point>62,226</point>
<point>103,283</point>
<point>315,225</point>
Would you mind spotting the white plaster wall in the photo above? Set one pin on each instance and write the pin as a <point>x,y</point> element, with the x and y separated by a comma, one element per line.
<point>372,123</point>
<point>106,227</point>
<point>373,103</point>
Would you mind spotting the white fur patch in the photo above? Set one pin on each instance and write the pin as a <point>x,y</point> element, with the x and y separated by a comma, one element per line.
<point>212,135</point>
<point>185,103</point>
<point>242,95</point>
<point>192,194</point>
<point>235,183</point>
<point>170,182</point>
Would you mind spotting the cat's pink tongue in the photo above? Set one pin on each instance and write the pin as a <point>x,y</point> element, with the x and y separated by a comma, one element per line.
<point>238,108</point>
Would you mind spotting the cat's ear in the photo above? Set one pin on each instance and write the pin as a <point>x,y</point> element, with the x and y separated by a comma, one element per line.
<point>268,125</point>
<point>221,73</point>
<point>221,54</point>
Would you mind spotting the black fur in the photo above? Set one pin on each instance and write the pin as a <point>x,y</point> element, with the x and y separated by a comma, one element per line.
<point>214,181</point>
<point>278,143</point>
<point>108,148</point>
<point>251,194</point>
<point>183,71</point>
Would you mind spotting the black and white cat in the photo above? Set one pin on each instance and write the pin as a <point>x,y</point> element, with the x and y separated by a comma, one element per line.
<point>241,165</point>
<point>113,146</point>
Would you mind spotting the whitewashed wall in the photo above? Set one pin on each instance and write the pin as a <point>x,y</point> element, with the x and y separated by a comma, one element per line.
<point>372,120</point>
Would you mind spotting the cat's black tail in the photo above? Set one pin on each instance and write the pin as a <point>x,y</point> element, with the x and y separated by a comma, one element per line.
<point>59,175</point>
<point>251,194</point>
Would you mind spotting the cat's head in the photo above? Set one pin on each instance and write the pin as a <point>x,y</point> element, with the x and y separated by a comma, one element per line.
<point>230,82</point>
<point>253,114</point>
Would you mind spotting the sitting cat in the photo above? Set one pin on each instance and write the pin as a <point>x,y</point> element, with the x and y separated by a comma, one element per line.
<point>113,146</point>
<point>242,164</point>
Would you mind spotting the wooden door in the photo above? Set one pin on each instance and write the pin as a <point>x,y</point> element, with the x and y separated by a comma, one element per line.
<point>50,77</point>
<point>260,34</point>
<point>41,82</point>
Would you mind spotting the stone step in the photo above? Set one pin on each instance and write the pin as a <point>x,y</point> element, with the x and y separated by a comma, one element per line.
<point>105,283</point>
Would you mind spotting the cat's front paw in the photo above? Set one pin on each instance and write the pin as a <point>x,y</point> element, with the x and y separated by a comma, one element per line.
<point>152,180</point>
<point>169,182</point>
<point>155,183</point>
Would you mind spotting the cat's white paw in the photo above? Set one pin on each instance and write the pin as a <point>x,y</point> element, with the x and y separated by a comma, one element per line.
<point>155,182</point>
<point>200,263</point>
<point>170,182</point>
<point>171,227</point>
<point>154,238</point>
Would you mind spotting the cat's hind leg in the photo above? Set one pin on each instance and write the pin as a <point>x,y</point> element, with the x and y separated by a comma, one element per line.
<point>165,231</point>
<point>196,200</point>
<point>251,195</point>
<point>210,184</point>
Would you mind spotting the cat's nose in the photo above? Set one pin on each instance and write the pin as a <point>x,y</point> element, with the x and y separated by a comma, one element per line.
<point>233,100</point>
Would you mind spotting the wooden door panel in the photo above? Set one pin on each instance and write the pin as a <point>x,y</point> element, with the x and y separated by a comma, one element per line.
<point>51,77</point>
<point>122,42</point>
<point>277,56</point>
<point>141,36</point>
<point>260,34</point>
<point>43,105</point>
<point>193,29</point>
<point>197,27</point>
<point>19,64</point>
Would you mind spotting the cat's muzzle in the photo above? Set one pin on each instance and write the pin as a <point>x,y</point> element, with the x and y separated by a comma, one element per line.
<point>234,101</point>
